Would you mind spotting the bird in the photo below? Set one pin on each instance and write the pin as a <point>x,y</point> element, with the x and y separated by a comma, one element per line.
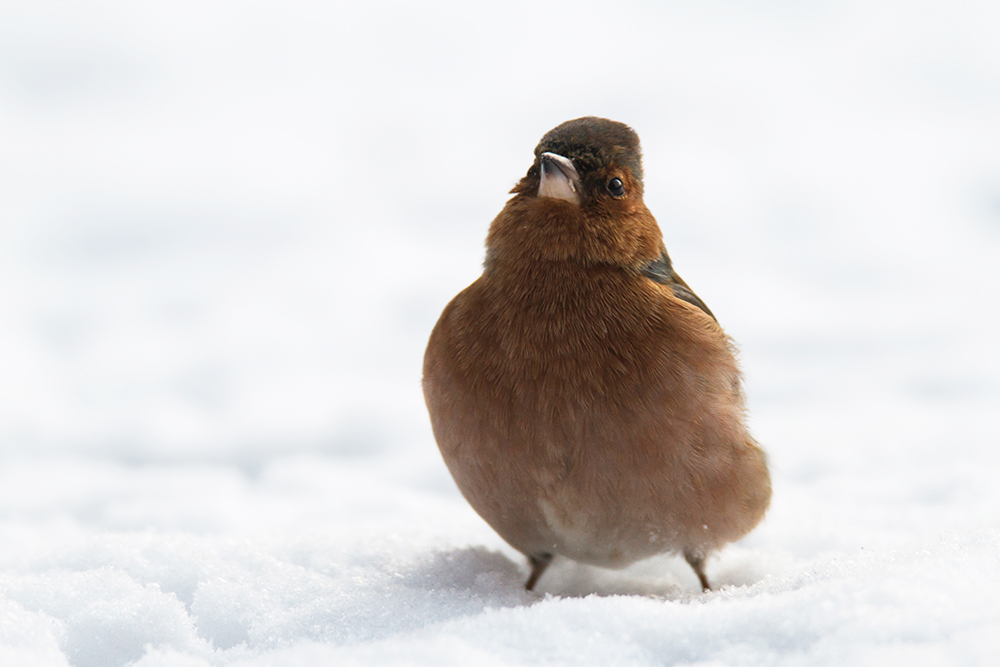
<point>585,400</point>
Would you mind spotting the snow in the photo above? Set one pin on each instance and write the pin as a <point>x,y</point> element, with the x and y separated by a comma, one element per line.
<point>226,231</point>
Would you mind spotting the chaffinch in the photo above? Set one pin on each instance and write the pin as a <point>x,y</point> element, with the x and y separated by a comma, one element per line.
<point>586,401</point>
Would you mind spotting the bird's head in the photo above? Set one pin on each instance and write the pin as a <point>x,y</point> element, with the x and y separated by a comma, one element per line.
<point>581,199</point>
<point>587,161</point>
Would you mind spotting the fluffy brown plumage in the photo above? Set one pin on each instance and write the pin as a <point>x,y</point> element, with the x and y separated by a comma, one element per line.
<point>585,400</point>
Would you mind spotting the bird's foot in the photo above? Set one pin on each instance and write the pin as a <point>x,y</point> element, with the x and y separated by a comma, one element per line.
<point>538,565</point>
<point>697,563</point>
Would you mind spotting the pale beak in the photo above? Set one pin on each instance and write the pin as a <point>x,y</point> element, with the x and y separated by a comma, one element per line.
<point>559,178</point>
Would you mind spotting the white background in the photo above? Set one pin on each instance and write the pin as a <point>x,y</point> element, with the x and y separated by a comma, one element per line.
<point>226,230</point>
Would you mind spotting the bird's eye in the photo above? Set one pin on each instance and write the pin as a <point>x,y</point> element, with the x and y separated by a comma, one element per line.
<point>616,188</point>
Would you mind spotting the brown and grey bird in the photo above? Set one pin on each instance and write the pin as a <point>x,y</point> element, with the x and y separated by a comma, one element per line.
<point>586,401</point>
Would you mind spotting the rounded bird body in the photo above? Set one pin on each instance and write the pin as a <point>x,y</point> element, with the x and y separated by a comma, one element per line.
<point>585,400</point>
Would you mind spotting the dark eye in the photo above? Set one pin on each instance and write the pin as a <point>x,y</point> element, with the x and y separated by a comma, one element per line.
<point>616,188</point>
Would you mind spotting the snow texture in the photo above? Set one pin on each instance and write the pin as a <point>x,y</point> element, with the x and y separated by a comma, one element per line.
<point>227,228</point>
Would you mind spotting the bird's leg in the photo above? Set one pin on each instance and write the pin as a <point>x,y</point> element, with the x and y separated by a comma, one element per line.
<point>538,565</point>
<point>698,564</point>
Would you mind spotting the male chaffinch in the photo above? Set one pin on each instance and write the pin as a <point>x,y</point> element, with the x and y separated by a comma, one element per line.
<point>586,401</point>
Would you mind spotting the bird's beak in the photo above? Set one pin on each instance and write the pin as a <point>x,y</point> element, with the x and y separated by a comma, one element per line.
<point>559,178</point>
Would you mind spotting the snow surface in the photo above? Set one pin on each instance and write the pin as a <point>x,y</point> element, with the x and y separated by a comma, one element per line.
<point>227,228</point>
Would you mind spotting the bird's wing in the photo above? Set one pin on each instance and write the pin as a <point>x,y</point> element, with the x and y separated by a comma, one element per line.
<point>661,270</point>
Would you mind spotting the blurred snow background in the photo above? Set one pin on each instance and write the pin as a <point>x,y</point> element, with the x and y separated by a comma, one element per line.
<point>227,228</point>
